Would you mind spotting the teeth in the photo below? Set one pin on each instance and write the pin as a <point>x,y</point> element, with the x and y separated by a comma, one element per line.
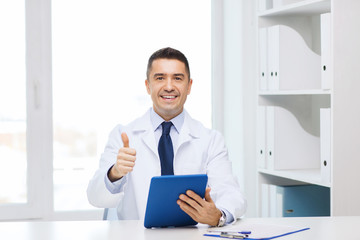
<point>168,97</point>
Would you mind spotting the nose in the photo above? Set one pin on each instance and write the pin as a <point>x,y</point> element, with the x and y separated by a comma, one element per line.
<point>168,85</point>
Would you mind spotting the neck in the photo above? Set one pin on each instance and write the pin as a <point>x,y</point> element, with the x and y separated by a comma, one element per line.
<point>167,116</point>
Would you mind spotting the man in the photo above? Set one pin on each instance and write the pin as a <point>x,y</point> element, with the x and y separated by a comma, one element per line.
<point>135,153</point>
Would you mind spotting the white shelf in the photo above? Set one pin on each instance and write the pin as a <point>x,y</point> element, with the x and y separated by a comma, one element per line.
<point>311,176</point>
<point>306,7</point>
<point>295,92</point>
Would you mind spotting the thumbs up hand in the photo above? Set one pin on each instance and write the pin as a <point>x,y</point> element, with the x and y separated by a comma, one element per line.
<point>125,161</point>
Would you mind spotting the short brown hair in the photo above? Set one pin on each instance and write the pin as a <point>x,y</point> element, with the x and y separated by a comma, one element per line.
<point>168,53</point>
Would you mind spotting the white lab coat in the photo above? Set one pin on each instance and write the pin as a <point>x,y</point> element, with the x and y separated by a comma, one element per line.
<point>199,151</point>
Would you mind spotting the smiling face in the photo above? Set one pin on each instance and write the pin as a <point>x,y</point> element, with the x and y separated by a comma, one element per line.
<point>168,84</point>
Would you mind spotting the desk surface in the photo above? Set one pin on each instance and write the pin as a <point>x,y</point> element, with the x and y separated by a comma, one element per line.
<point>329,228</point>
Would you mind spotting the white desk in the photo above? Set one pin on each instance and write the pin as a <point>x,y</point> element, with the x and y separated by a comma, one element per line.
<point>329,228</point>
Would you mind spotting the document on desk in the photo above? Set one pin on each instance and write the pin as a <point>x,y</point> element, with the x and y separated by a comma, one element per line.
<point>256,231</point>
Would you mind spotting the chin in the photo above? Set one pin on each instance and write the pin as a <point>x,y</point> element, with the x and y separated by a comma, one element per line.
<point>169,113</point>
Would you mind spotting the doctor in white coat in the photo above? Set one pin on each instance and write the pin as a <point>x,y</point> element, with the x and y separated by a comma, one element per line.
<point>131,157</point>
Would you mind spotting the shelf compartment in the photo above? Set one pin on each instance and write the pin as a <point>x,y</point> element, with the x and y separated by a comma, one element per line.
<point>303,8</point>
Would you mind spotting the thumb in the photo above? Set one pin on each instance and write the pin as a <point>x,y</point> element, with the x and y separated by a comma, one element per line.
<point>207,195</point>
<point>125,139</point>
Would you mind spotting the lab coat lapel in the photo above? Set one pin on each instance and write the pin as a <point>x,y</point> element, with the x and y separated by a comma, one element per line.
<point>144,125</point>
<point>149,140</point>
<point>187,133</point>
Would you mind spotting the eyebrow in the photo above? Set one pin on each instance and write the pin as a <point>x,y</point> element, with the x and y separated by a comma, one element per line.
<point>163,74</point>
<point>159,74</point>
<point>179,74</point>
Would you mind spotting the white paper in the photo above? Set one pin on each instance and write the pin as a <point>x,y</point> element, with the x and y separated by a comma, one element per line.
<point>258,230</point>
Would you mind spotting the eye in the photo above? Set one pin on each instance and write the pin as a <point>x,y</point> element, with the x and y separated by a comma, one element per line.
<point>178,78</point>
<point>160,78</point>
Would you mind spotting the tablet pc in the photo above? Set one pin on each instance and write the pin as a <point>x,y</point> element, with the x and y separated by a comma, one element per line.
<point>162,209</point>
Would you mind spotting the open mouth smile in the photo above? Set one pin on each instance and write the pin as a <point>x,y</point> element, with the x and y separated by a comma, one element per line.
<point>168,97</point>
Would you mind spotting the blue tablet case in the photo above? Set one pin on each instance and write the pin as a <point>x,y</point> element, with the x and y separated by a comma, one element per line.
<point>162,209</point>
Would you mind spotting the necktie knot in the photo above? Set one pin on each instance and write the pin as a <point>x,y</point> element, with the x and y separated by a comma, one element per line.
<point>166,127</point>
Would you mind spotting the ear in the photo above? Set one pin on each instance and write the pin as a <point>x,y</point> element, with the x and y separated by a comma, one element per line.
<point>147,86</point>
<point>189,87</point>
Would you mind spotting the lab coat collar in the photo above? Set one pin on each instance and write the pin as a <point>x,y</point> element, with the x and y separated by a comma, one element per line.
<point>188,131</point>
<point>189,127</point>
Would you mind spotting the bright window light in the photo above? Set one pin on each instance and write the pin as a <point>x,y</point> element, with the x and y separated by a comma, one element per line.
<point>13,161</point>
<point>100,53</point>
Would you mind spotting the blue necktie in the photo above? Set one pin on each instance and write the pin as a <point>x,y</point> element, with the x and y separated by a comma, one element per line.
<point>166,152</point>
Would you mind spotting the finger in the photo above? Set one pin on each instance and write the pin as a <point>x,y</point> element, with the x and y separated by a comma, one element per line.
<point>126,163</point>
<point>207,195</point>
<point>191,202</point>
<point>125,139</point>
<point>196,197</point>
<point>127,153</point>
<point>126,169</point>
<point>188,209</point>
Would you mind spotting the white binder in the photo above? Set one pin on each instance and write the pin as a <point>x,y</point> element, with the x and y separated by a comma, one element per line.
<point>326,66</point>
<point>264,5</point>
<point>261,137</point>
<point>273,58</point>
<point>270,137</point>
<point>263,48</point>
<point>272,201</point>
<point>265,200</point>
<point>325,144</point>
<point>280,3</point>
<point>292,65</point>
<point>275,201</point>
<point>289,145</point>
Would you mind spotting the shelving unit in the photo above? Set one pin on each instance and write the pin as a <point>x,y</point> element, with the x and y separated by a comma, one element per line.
<point>304,103</point>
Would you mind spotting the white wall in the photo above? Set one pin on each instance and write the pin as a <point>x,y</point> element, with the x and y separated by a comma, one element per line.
<point>346,113</point>
<point>234,69</point>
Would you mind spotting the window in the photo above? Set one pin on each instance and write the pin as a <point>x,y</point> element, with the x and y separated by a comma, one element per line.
<point>73,70</point>
<point>25,110</point>
<point>12,103</point>
<point>100,53</point>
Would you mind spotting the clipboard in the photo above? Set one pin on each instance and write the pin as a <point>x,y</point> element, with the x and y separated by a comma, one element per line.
<point>162,209</point>
<point>254,231</point>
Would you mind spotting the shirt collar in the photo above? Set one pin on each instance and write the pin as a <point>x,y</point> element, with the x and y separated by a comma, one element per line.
<point>156,120</point>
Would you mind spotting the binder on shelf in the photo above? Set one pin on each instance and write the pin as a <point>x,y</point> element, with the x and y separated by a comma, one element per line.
<point>292,65</point>
<point>303,201</point>
<point>273,58</point>
<point>261,137</point>
<point>275,201</point>
<point>296,201</point>
<point>264,5</point>
<point>265,199</point>
<point>263,75</point>
<point>280,3</point>
<point>271,201</point>
<point>325,144</point>
<point>270,118</point>
<point>289,146</point>
<point>326,66</point>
